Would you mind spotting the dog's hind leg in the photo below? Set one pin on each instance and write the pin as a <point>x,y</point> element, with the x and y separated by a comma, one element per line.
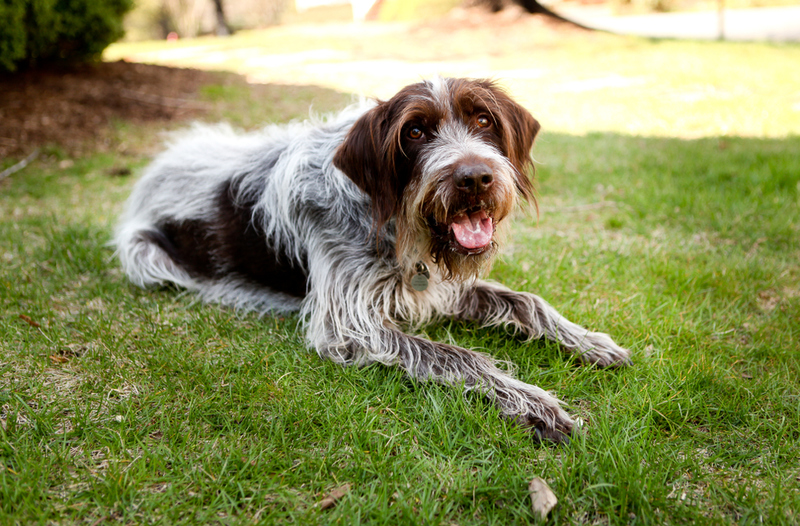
<point>494,305</point>
<point>145,257</point>
<point>149,258</point>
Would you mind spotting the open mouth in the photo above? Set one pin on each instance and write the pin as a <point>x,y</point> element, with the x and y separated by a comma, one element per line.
<point>469,231</point>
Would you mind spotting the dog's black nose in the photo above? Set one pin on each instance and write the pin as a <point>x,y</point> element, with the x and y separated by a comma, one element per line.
<point>473,178</point>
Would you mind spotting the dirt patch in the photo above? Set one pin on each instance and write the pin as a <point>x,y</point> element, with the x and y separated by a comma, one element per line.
<point>74,108</point>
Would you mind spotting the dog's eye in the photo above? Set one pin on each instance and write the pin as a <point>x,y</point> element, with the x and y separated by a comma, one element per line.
<point>415,133</point>
<point>483,121</point>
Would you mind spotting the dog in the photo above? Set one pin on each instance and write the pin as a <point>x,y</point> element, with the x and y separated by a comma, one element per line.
<point>369,223</point>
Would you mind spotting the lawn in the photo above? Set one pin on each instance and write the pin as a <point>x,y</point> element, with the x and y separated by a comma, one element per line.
<point>669,183</point>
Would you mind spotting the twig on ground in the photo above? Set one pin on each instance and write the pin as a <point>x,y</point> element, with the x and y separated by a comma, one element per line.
<point>30,321</point>
<point>20,165</point>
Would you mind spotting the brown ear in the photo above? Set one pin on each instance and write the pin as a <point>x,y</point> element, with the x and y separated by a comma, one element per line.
<point>366,156</point>
<point>520,129</point>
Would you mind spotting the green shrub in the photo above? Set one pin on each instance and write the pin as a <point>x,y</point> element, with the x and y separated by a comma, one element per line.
<point>34,32</point>
<point>12,33</point>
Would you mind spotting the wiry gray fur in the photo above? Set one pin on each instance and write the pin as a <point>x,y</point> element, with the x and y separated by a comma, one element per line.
<point>358,299</point>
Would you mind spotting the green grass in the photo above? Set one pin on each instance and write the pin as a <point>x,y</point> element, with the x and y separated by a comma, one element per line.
<point>129,406</point>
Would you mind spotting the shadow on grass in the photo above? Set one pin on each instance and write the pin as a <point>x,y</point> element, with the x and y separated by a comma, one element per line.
<point>78,109</point>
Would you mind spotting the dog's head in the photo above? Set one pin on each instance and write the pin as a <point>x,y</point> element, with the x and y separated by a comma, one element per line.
<point>449,158</point>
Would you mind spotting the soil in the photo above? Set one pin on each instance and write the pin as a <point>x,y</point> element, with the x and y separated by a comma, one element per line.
<point>75,107</point>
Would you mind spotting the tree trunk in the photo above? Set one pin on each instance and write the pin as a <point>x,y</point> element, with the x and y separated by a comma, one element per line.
<point>223,29</point>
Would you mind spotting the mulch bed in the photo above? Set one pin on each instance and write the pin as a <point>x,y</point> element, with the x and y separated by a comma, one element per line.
<point>73,108</point>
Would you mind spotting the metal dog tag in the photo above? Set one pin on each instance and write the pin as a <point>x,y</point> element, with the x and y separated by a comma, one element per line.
<point>419,281</point>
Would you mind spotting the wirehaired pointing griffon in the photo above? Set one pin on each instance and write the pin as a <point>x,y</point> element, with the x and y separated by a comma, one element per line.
<point>376,220</point>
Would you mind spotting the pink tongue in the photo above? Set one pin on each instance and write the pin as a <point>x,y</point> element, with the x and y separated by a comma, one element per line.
<point>474,230</point>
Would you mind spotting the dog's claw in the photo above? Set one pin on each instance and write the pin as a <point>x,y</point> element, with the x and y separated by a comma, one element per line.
<point>552,436</point>
<point>558,436</point>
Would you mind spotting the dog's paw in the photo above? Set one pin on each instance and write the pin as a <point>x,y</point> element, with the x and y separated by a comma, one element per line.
<point>599,349</point>
<point>547,421</point>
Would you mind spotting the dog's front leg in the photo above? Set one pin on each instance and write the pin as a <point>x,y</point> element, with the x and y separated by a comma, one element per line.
<point>492,304</point>
<point>356,332</point>
<point>527,404</point>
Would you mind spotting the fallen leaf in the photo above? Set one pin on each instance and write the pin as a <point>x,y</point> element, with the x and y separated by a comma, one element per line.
<point>542,497</point>
<point>333,496</point>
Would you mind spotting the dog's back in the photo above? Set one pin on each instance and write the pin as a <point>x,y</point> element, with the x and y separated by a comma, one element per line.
<point>222,213</point>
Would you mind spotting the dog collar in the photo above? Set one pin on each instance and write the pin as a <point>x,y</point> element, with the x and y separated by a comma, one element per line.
<point>419,281</point>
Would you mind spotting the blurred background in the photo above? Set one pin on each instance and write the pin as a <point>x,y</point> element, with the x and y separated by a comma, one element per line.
<point>188,18</point>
